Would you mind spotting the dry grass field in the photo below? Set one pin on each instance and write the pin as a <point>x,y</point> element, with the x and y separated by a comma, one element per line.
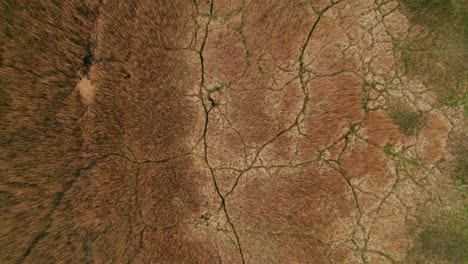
<point>233,131</point>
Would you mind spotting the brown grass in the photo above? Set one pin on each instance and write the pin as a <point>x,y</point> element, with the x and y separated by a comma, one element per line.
<point>215,132</point>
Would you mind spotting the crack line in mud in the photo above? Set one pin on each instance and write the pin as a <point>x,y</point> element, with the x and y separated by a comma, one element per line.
<point>297,120</point>
<point>57,201</point>
<point>207,112</point>
<point>302,70</point>
<point>140,212</point>
<point>354,128</point>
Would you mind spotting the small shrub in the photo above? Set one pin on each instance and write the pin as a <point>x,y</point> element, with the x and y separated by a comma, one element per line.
<point>388,150</point>
<point>408,122</point>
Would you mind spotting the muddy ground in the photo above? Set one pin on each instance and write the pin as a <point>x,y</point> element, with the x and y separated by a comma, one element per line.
<point>233,131</point>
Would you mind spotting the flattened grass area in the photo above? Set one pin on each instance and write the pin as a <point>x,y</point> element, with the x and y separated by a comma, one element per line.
<point>439,58</point>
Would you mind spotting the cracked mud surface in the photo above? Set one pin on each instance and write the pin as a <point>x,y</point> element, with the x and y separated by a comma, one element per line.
<point>232,131</point>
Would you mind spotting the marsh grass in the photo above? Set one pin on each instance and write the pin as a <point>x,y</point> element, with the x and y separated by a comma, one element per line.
<point>439,58</point>
<point>458,167</point>
<point>434,13</point>
<point>443,240</point>
<point>461,170</point>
